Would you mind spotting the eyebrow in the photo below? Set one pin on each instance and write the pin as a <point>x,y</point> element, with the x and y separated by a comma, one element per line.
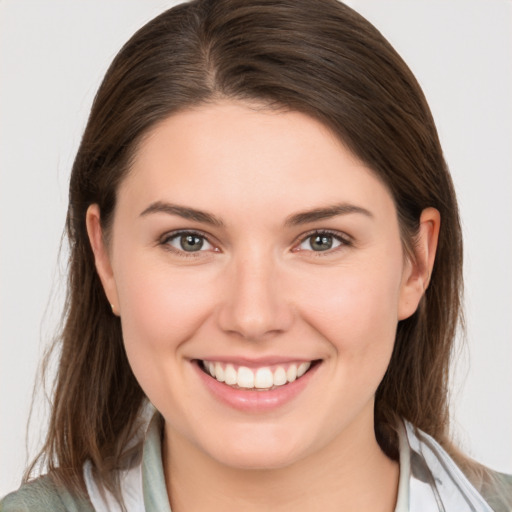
<point>182,211</point>
<point>293,220</point>
<point>325,213</point>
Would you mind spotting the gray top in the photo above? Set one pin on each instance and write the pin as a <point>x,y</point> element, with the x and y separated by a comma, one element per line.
<point>429,481</point>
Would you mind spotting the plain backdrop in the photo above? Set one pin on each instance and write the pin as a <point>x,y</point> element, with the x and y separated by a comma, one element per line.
<point>53,54</point>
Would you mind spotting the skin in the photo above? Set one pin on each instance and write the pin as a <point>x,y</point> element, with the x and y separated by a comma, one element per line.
<point>256,289</point>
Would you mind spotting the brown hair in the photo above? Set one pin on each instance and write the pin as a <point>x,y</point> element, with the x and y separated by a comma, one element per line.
<point>317,57</point>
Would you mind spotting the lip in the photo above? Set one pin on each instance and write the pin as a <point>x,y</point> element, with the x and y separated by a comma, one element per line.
<point>252,400</point>
<point>255,363</point>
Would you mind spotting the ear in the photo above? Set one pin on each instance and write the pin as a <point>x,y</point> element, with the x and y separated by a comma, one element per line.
<point>101,256</point>
<point>418,268</point>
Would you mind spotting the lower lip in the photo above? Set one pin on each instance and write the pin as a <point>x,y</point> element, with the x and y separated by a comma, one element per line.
<point>253,400</point>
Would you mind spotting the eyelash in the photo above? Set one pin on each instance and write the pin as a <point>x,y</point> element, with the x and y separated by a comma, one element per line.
<point>344,240</point>
<point>168,237</point>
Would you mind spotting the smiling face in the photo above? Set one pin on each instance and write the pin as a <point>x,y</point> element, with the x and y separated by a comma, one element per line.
<point>250,246</point>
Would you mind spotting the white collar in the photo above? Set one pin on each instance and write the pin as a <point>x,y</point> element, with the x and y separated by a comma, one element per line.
<point>429,479</point>
<point>435,483</point>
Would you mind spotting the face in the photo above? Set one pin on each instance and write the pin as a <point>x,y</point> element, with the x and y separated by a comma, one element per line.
<point>258,271</point>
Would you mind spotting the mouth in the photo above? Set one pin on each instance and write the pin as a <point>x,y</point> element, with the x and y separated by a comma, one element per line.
<point>263,378</point>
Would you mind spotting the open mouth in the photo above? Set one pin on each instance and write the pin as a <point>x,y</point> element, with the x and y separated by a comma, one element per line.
<point>264,378</point>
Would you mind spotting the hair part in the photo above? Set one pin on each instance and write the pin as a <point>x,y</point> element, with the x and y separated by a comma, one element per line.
<point>327,62</point>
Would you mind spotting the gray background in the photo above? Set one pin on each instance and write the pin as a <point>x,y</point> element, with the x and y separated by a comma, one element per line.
<point>52,57</point>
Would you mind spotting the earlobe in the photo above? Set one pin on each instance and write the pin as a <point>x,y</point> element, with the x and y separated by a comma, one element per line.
<point>101,256</point>
<point>418,269</point>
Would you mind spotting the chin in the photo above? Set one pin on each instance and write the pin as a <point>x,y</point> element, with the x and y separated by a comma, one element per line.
<point>254,460</point>
<point>259,452</point>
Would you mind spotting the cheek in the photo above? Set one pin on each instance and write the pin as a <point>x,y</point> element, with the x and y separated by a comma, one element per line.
<point>354,308</point>
<point>160,311</point>
<point>160,305</point>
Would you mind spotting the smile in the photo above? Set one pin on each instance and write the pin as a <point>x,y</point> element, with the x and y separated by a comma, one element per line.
<point>262,378</point>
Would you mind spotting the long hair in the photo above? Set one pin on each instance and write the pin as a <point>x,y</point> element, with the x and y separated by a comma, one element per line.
<point>317,57</point>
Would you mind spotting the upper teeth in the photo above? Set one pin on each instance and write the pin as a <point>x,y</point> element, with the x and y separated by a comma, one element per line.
<point>259,378</point>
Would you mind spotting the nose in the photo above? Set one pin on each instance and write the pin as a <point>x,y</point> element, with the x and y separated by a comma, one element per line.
<point>254,305</point>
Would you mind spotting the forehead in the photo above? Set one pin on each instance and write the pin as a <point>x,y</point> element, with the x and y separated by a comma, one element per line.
<point>244,157</point>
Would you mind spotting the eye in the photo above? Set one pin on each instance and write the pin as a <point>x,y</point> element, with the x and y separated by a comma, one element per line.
<point>321,241</point>
<point>186,241</point>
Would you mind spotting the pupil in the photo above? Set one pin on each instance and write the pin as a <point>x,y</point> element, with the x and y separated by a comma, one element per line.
<point>321,242</point>
<point>191,243</point>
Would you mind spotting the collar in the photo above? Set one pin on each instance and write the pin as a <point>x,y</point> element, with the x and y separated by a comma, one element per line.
<point>429,479</point>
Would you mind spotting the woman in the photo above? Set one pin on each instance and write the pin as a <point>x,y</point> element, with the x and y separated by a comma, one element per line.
<point>266,247</point>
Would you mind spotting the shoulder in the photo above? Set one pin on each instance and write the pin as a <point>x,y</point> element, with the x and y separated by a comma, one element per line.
<point>43,495</point>
<point>496,489</point>
<point>453,482</point>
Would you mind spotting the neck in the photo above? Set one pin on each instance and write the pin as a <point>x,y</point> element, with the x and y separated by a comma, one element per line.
<point>351,473</point>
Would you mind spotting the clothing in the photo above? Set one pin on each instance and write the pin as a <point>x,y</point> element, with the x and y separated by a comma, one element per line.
<point>429,482</point>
